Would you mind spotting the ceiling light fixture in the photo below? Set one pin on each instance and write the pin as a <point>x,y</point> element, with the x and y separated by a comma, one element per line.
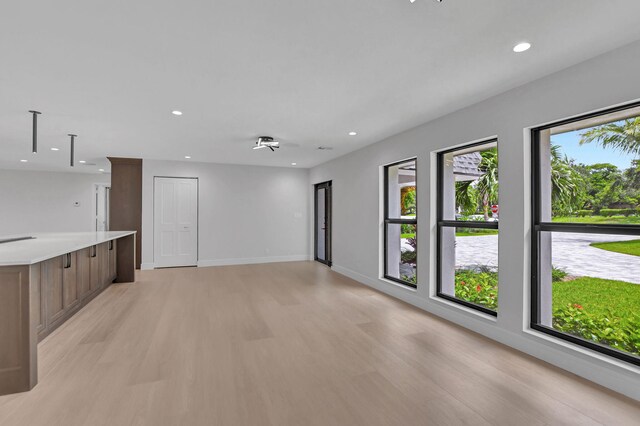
<point>294,164</point>
<point>55,149</point>
<point>266,142</point>
<point>101,170</point>
<point>188,157</point>
<point>73,148</point>
<point>176,112</point>
<point>522,47</point>
<point>353,133</point>
<point>23,161</point>
<point>34,147</point>
<point>81,161</point>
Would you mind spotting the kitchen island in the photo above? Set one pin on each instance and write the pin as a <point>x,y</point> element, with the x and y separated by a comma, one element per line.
<point>44,280</point>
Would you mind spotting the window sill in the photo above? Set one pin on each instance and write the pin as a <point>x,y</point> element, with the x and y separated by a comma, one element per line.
<point>582,350</point>
<point>459,307</point>
<point>402,286</point>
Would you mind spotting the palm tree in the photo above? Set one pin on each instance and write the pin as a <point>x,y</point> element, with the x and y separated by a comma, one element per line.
<point>566,182</point>
<point>487,184</point>
<point>622,135</point>
<point>484,190</point>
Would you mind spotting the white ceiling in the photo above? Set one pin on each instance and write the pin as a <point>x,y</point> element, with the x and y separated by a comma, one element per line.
<point>304,72</point>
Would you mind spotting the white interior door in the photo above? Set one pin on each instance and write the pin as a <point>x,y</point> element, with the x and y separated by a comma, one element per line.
<point>102,207</point>
<point>175,222</point>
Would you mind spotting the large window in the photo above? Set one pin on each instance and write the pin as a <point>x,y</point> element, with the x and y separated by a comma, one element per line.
<point>400,223</point>
<point>586,238</point>
<point>468,213</point>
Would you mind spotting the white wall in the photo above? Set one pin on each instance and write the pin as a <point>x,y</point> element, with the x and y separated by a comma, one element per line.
<point>599,83</point>
<point>246,214</point>
<point>34,201</point>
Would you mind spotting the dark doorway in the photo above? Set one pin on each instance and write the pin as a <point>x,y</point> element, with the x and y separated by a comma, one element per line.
<point>322,223</point>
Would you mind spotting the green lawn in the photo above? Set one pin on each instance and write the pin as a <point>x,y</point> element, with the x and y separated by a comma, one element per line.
<point>597,296</point>
<point>625,247</point>
<point>468,232</point>
<point>463,232</point>
<point>620,220</point>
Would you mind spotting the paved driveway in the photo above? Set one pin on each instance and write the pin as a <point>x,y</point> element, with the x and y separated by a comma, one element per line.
<point>571,252</point>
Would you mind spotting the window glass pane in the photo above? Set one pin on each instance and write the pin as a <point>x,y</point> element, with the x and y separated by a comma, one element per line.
<point>401,191</point>
<point>469,266</point>
<point>590,287</point>
<point>590,170</point>
<point>470,184</point>
<point>402,252</point>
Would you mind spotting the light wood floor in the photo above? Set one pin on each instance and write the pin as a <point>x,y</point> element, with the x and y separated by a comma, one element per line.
<point>288,344</point>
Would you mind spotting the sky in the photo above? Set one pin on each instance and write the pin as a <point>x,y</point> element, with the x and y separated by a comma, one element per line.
<point>591,153</point>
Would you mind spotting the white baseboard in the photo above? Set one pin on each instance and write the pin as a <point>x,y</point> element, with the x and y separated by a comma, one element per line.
<point>612,374</point>
<point>253,260</point>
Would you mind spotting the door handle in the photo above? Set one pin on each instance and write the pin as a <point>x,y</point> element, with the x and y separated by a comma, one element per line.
<point>67,261</point>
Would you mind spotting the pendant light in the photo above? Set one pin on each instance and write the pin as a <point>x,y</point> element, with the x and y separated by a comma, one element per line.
<point>73,148</point>
<point>34,148</point>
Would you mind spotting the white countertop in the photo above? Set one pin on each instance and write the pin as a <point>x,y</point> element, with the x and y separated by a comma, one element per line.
<point>49,245</point>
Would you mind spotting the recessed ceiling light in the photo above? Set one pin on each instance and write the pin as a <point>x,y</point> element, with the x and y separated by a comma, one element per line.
<point>55,149</point>
<point>176,112</point>
<point>294,164</point>
<point>353,133</point>
<point>23,161</point>
<point>522,47</point>
<point>101,170</point>
<point>82,161</point>
<point>187,157</point>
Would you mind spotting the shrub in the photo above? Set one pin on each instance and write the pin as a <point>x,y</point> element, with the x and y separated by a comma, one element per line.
<point>479,287</point>
<point>584,213</point>
<point>604,329</point>
<point>558,274</point>
<point>618,212</point>
<point>413,279</point>
<point>408,256</point>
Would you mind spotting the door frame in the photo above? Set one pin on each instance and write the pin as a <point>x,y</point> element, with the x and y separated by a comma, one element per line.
<point>197,218</point>
<point>328,198</point>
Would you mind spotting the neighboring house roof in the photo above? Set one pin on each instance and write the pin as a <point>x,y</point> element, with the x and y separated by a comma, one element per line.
<point>465,166</point>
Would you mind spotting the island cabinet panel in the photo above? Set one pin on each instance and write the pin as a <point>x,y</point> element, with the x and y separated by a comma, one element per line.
<point>113,263</point>
<point>103,264</point>
<point>83,259</point>
<point>94,271</point>
<point>70,283</point>
<point>18,357</point>
<point>37,298</point>
<point>54,290</point>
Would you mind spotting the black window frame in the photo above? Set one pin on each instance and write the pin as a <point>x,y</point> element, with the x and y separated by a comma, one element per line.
<point>539,226</point>
<point>389,221</point>
<point>442,223</point>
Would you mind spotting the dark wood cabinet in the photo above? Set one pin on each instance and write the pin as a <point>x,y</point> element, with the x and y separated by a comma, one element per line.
<point>62,285</point>
<point>84,272</point>
<point>54,290</point>
<point>103,264</point>
<point>38,296</point>
<point>70,282</point>
<point>94,271</point>
<point>113,271</point>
